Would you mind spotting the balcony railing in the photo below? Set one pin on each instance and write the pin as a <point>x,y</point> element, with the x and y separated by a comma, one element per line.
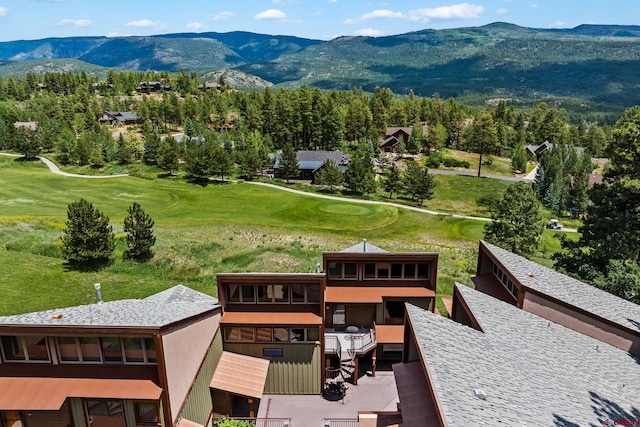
<point>351,343</point>
<point>339,422</point>
<point>259,422</point>
<point>332,345</point>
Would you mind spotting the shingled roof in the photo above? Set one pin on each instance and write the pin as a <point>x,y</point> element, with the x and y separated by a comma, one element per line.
<point>563,288</point>
<point>533,372</point>
<point>363,247</point>
<point>159,310</point>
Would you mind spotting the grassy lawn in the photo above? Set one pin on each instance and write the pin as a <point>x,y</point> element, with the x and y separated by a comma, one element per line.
<point>499,165</point>
<point>203,230</point>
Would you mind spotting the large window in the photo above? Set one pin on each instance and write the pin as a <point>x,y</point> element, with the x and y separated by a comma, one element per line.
<point>273,294</point>
<point>271,335</point>
<point>396,270</point>
<point>24,349</point>
<point>106,350</point>
<point>343,270</point>
<point>105,413</point>
<point>147,413</point>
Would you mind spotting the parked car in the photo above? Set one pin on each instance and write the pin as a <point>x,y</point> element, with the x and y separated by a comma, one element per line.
<point>554,225</point>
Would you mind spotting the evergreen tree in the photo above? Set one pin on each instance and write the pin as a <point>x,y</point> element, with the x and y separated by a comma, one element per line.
<point>482,137</point>
<point>418,182</point>
<point>221,161</point>
<point>250,162</point>
<point>168,155</point>
<point>198,159</point>
<point>393,180</point>
<point>151,148</point>
<point>140,238</point>
<point>330,175</point>
<point>124,152</point>
<point>288,167</point>
<point>88,239</point>
<point>360,177</point>
<point>26,142</point>
<point>516,222</point>
<point>519,159</point>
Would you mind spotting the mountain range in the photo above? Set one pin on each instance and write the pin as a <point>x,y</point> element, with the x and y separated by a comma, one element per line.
<point>594,63</point>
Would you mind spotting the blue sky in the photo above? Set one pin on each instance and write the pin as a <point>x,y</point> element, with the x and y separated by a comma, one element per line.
<point>318,19</point>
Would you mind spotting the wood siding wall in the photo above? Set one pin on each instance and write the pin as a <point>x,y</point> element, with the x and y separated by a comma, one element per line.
<point>199,405</point>
<point>298,371</point>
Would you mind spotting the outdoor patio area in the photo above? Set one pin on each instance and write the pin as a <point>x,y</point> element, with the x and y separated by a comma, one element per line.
<point>377,393</point>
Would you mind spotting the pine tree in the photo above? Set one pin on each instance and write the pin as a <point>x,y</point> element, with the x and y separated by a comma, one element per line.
<point>330,175</point>
<point>288,163</point>
<point>393,180</point>
<point>517,224</point>
<point>168,155</point>
<point>88,239</point>
<point>140,238</point>
<point>418,182</point>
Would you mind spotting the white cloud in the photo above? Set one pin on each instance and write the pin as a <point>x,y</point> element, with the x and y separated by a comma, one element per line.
<point>223,15</point>
<point>376,14</point>
<point>113,34</point>
<point>75,22</point>
<point>559,24</point>
<point>502,11</point>
<point>277,2</point>
<point>271,14</point>
<point>333,1</point>
<point>369,32</point>
<point>533,5</point>
<point>456,11</point>
<point>194,25</point>
<point>3,11</point>
<point>142,23</point>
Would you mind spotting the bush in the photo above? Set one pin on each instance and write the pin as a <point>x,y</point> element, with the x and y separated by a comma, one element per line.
<point>455,163</point>
<point>433,160</point>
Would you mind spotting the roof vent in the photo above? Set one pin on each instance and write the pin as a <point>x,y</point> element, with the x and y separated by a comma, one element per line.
<point>480,394</point>
<point>364,245</point>
<point>56,316</point>
<point>531,275</point>
<point>97,286</point>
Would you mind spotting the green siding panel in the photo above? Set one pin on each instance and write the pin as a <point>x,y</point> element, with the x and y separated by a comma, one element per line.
<point>298,371</point>
<point>199,405</point>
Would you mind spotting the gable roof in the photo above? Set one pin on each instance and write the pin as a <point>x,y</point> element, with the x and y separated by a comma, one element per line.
<point>363,247</point>
<point>159,310</point>
<point>534,372</point>
<point>314,160</point>
<point>566,289</point>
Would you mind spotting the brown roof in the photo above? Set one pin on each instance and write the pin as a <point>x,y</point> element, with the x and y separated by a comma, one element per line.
<point>416,402</point>
<point>390,334</point>
<point>270,318</point>
<point>241,375</point>
<point>49,394</point>
<point>363,294</point>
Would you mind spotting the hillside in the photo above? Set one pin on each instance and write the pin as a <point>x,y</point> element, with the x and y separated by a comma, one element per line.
<point>592,63</point>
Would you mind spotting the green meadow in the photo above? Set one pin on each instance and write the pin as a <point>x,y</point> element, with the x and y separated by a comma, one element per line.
<point>203,230</point>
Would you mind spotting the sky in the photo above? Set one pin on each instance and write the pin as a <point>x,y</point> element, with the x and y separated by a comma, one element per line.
<point>315,19</point>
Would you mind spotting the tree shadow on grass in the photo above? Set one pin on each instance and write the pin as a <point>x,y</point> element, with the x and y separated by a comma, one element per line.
<point>87,266</point>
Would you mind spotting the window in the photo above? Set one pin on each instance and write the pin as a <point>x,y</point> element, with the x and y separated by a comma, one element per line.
<point>68,349</point>
<point>305,335</point>
<point>280,335</point>
<point>111,350</point>
<point>150,349</point>
<point>313,293</point>
<point>241,293</point>
<point>239,334</point>
<point>335,270</point>
<point>264,334</point>
<point>147,413</point>
<point>313,334</point>
<point>409,271</point>
<point>298,293</point>
<point>25,348</point>
<point>133,350</point>
<point>272,352</point>
<point>105,412</point>
<point>264,293</point>
<point>423,270</point>
<point>340,270</point>
<point>369,270</point>
<point>350,270</point>
<point>396,271</point>
<point>383,270</point>
<point>90,349</point>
